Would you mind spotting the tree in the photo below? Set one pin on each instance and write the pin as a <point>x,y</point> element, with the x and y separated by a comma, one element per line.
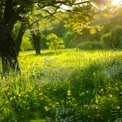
<point>54,42</point>
<point>7,47</point>
<point>13,10</point>
<point>36,37</point>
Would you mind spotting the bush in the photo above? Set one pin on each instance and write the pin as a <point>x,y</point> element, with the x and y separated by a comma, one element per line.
<point>106,39</point>
<point>90,45</point>
<point>55,42</point>
<point>113,39</point>
<point>116,34</point>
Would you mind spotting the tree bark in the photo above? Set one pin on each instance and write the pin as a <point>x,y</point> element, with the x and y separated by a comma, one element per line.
<point>18,41</point>
<point>36,38</point>
<point>7,50</point>
<point>7,45</point>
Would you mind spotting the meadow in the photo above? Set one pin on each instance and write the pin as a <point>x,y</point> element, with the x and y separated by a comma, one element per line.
<point>69,86</point>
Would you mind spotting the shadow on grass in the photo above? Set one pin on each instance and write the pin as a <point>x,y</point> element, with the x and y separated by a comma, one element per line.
<point>45,53</point>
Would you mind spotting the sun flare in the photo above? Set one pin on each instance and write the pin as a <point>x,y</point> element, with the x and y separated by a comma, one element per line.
<point>116,2</point>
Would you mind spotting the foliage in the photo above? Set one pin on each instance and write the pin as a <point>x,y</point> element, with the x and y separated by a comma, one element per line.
<point>87,83</point>
<point>106,39</point>
<point>77,21</point>
<point>54,42</point>
<point>68,39</point>
<point>16,30</point>
<point>117,36</point>
<point>55,25</point>
<point>71,39</point>
<point>89,45</point>
<point>83,19</point>
<point>26,44</point>
<point>113,39</point>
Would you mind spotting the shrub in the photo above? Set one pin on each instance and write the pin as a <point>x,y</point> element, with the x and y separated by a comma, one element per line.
<point>55,42</point>
<point>116,35</point>
<point>113,39</point>
<point>106,39</point>
<point>90,45</point>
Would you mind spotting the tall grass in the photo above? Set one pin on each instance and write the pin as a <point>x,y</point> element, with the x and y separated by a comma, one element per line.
<point>86,83</point>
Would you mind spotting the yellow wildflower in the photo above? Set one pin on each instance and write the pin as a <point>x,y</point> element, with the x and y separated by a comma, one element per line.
<point>40,94</point>
<point>46,108</point>
<point>68,92</point>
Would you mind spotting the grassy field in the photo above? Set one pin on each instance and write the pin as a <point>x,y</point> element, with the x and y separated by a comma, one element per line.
<point>70,86</point>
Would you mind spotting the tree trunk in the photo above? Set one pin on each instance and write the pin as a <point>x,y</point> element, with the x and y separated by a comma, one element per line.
<point>36,38</point>
<point>36,43</point>
<point>19,37</point>
<point>7,50</point>
<point>7,45</point>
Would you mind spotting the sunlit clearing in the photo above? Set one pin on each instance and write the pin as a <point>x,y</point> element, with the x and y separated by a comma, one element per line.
<point>116,2</point>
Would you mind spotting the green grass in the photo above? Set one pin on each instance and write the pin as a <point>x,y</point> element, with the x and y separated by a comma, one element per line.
<point>83,83</point>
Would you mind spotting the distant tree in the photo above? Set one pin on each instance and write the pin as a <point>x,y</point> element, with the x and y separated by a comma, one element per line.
<point>36,34</point>
<point>55,42</point>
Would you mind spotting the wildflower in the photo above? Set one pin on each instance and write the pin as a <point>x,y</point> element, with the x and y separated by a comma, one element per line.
<point>26,95</point>
<point>55,89</point>
<point>94,73</point>
<point>68,92</point>
<point>29,90</point>
<point>57,103</point>
<point>40,94</point>
<point>53,106</point>
<point>6,102</point>
<point>24,102</point>
<point>118,107</point>
<point>73,98</point>
<point>81,94</point>
<point>85,105</point>
<point>19,95</point>
<point>62,101</point>
<point>110,95</point>
<point>46,108</point>
<point>87,91</point>
<point>109,87</point>
<point>101,90</point>
<point>96,107</point>
<point>11,98</point>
